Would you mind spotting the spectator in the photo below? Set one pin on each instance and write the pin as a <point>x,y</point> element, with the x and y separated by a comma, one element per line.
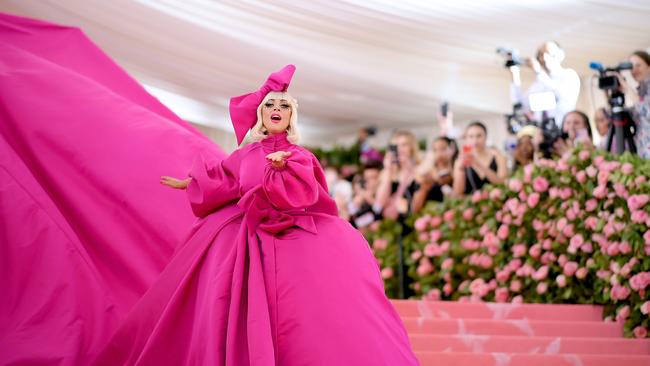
<point>577,129</point>
<point>524,152</point>
<point>396,183</point>
<point>434,176</point>
<point>362,208</point>
<point>339,189</point>
<point>477,164</point>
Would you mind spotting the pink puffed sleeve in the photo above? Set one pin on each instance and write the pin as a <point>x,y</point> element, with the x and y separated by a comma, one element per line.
<point>299,184</point>
<point>214,184</point>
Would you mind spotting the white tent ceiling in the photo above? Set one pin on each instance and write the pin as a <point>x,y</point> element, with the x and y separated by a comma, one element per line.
<point>360,62</point>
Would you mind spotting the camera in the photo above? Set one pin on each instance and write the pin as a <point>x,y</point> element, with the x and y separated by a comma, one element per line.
<point>511,55</point>
<point>539,102</point>
<point>623,126</point>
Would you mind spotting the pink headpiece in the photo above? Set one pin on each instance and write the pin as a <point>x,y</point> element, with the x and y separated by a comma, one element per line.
<point>243,109</point>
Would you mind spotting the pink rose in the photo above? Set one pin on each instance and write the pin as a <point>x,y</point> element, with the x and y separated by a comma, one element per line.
<point>540,184</point>
<point>519,250</point>
<point>591,205</point>
<point>541,273</point>
<point>640,332</point>
<point>581,273</point>
<point>495,194</point>
<point>600,192</point>
<point>620,190</point>
<point>603,176</point>
<point>386,273</point>
<point>627,168</point>
<point>435,221</point>
<point>565,193</point>
<point>448,215</point>
<point>639,216</point>
<point>515,185</point>
<point>581,177</point>
<point>577,240</point>
<point>619,292</point>
<point>380,244</point>
<point>623,313</point>
<point>503,232</point>
<point>502,276</point>
<point>423,237</point>
<point>625,248</point>
<point>468,214</point>
<point>535,251</point>
<point>570,268</point>
<point>646,237</point>
<point>476,197</point>
<point>515,286</point>
<point>435,235</point>
<point>447,264</point>
<point>587,247</point>
<point>517,300</point>
<point>561,281</point>
<point>422,223</point>
<point>425,267</point>
<point>416,255</point>
<point>591,223</point>
<point>584,155</point>
<point>645,308</point>
<point>591,171</point>
<point>533,200</point>
<point>637,201</point>
<point>640,180</point>
<point>568,231</point>
<point>447,289</point>
<point>541,288</point>
<point>501,294</point>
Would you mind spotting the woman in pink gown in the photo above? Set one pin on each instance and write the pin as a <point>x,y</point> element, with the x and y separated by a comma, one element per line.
<point>270,275</point>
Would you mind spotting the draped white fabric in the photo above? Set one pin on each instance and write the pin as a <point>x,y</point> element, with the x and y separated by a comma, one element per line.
<point>360,62</point>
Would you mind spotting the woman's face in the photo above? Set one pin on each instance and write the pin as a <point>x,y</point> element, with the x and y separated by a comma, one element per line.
<point>276,114</point>
<point>403,148</point>
<point>475,137</point>
<point>573,122</point>
<point>441,152</point>
<point>602,122</point>
<point>552,56</point>
<point>525,145</point>
<point>640,70</point>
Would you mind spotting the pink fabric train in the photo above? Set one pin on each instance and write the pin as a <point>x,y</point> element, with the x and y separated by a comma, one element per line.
<point>269,275</point>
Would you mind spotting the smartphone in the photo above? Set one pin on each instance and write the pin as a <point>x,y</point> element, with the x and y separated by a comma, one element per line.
<point>444,108</point>
<point>467,149</point>
<point>393,148</point>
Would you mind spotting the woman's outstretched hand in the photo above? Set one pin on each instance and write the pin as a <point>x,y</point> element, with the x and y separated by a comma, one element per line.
<point>278,158</point>
<point>175,182</point>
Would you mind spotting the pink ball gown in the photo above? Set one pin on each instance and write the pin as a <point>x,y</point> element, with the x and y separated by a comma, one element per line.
<point>270,276</point>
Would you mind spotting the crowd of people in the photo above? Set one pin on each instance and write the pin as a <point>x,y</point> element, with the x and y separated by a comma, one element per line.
<point>457,163</point>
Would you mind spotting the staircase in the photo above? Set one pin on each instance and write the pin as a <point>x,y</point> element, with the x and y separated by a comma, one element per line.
<point>461,333</point>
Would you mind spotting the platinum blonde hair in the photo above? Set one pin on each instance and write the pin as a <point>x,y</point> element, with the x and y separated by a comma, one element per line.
<point>258,132</point>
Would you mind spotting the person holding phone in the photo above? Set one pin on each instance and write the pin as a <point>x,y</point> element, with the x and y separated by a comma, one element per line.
<point>578,131</point>
<point>434,174</point>
<point>397,181</point>
<point>477,165</point>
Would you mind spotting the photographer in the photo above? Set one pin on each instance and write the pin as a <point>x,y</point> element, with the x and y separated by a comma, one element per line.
<point>551,76</point>
<point>641,111</point>
<point>576,129</point>
<point>477,165</point>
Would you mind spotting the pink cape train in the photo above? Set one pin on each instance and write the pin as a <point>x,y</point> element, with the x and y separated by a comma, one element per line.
<point>101,264</point>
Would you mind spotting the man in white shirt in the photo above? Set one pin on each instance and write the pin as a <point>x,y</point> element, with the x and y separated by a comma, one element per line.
<point>564,83</point>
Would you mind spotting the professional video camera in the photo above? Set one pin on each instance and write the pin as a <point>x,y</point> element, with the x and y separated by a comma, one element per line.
<point>511,55</point>
<point>539,102</point>
<point>623,125</point>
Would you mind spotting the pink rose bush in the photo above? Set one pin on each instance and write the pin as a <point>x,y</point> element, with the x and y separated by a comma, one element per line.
<point>576,230</point>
